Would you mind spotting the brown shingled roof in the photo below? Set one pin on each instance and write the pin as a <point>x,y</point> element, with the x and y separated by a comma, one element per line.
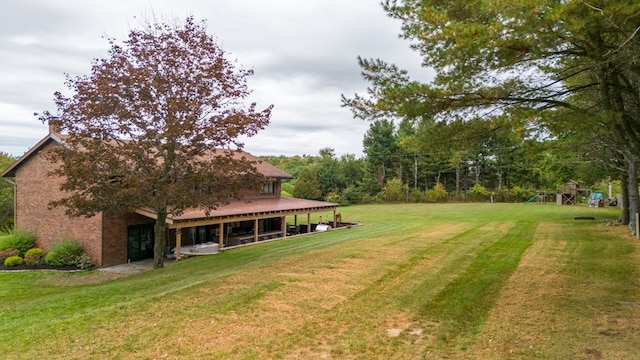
<point>255,206</point>
<point>250,207</point>
<point>263,167</point>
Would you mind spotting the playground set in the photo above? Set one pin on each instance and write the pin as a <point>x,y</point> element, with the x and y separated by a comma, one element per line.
<point>568,194</point>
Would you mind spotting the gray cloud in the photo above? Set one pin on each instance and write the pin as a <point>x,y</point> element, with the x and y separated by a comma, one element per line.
<point>303,54</point>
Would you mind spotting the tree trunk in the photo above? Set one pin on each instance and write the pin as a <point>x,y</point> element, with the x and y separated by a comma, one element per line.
<point>633,195</point>
<point>415,172</point>
<point>458,175</point>
<point>160,232</point>
<point>624,218</point>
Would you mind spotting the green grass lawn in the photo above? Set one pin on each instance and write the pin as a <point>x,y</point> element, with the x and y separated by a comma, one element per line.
<point>456,281</point>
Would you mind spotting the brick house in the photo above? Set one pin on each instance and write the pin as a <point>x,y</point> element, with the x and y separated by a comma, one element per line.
<point>111,240</point>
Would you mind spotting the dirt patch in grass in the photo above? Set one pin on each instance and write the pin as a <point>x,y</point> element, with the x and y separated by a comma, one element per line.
<point>81,278</point>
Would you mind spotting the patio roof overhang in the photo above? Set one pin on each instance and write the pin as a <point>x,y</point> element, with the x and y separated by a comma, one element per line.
<point>240,210</point>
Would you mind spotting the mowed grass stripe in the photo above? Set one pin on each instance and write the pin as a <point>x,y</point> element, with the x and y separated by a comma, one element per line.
<point>576,295</point>
<point>462,306</point>
<point>448,260</point>
<point>328,289</point>
<point>360,323</point>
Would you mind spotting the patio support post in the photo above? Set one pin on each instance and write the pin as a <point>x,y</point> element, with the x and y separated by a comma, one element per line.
<point>283,226</point>
<point>255,230</point>
<point>334,219</point>
<point>221,236</point>
<point>178,242</point>
<point>308,222</point>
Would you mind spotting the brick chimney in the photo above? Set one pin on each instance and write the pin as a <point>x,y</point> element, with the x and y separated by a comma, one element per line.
<point>54,129</point>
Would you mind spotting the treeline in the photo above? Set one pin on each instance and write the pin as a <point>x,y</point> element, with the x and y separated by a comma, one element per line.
<point>462,161</point>
<point>6,193</point>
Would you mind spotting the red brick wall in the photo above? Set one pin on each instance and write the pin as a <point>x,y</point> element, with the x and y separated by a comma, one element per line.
<point>115,237</point>
<point>34,190</point>
<point>103,238</point>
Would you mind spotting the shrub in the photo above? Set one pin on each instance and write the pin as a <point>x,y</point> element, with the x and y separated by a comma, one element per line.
<point>287,188</point>
<point>417,196</point>
<point>4,254</point>
<point>336,198</point>
<point>83,262</point>
<point>33,261</point>
<point>478,193</point>
<point>503,195</point>
<point>395,191</point>
<point>64,253</point>
<point>519,194</point>
<point>34,257</point>
<point>332,197</point>
<point>352,195</point>
<point>13,261</point>
<point>17,239</point>
<point>437,194</point>
<point>34,252</point>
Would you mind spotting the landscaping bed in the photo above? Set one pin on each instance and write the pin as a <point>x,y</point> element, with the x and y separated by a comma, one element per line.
<point>43,267</point>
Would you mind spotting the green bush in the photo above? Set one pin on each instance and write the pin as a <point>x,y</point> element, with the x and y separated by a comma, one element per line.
<point>503,195</point>
<point>395,191</point>
<point>83,262</point>
<point>353,195</point>
<point>4,254</point>
<point>34,252</point>
<point>478,193</point>
<point>519,194</point>
<point>33,261</point>
<point>287,188</point>
<point>332,197</point>
<point>13,261</point>
<point>417,196</point>
<point>34,257</point>
<point>17,239</point>
<point>437,194</point>
<point>64,253</point>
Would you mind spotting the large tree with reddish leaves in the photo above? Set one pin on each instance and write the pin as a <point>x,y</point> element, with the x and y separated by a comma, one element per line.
<point>141,128</point>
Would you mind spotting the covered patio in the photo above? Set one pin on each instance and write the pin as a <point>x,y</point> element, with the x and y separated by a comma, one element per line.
<point>241,222</point>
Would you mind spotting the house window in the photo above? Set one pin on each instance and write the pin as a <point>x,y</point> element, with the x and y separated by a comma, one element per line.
<point>201,189</point>
<point>268,188</point>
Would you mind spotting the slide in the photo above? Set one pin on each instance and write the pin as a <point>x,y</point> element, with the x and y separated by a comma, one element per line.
<point>532,199</point>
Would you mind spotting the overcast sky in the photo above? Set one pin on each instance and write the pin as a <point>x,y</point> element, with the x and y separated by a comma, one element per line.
<point>303,53</point>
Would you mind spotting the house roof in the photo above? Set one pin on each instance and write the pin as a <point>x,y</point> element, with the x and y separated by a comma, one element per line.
<point>11,170</point>
<point>263,167</point>
<point>250,208</point>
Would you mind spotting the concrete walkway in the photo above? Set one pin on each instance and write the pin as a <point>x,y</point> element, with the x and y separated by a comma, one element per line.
<point>130,268</point>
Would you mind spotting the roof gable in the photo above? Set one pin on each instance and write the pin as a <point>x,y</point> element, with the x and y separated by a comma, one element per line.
<point>11,170</point>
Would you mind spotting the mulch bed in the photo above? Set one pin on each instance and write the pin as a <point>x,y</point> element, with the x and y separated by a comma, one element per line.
<point>45,267</point>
